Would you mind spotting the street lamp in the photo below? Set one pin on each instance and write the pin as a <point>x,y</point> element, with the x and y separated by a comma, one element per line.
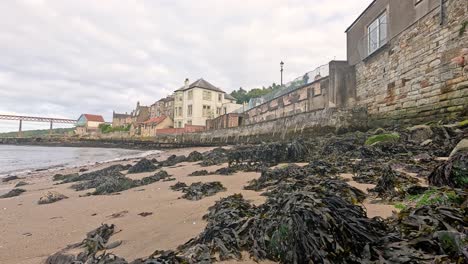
<point>281,64</point>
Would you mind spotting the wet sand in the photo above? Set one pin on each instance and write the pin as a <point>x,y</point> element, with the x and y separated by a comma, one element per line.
<point>29,232</point>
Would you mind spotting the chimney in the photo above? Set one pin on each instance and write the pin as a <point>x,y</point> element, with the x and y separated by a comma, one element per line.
<point>186,83</point>
<point>138,104</point>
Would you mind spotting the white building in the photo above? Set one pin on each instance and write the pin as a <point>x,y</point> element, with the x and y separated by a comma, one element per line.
<point>195,103</point>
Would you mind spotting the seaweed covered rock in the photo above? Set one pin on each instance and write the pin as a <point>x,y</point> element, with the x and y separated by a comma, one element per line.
<point>10,178</point>
<point>160,175</point>
<point>199,173</point>
<point>143,165</point>
<point>214,157</point>
<point>194,156</point>
<point>173,160</point>
<point>306,227</point>
<point>225,171</point>
<point>51,197</point>
<point>21,183</point>
<point>199,190</point>
<point>453,172</point>
<point>437,230</point>
<point>179,186</point>
<point>392,184</point>
<point>13,193</point>
<point>108,171</point>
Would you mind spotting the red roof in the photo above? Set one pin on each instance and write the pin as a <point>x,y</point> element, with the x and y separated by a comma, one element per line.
<point>155,120</point>
<point>94,118</point>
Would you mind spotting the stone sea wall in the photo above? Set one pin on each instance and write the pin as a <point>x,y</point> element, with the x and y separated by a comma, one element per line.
<point>414,78</point>
<point>307,124</point>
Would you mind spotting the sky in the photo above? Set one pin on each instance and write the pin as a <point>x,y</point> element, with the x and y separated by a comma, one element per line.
<point>62,58</point>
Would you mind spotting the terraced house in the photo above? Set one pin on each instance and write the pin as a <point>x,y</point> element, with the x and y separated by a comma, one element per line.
<point>196,102</point>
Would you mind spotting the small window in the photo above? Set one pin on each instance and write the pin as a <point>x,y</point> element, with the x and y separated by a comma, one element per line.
<point>206,110</point>
<point>220,97</point>
<point>189,110</point>
<point>206,95</point>
<point>190,95</point>
<point>218,110</point>
<point>180,111</point>
<point>189,122</point>
<point>377,34</point>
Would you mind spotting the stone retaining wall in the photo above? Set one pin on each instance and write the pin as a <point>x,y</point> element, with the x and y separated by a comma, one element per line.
<point>413,79</point>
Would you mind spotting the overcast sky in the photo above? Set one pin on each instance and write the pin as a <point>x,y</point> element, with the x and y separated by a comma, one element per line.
<point>61,58</point>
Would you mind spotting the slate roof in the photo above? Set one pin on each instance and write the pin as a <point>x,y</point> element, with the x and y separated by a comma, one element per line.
<point>229,97</point>
<point>155,120</point>
<point>200,83</point>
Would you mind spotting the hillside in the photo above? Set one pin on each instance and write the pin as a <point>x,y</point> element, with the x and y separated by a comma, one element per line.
<point>38,132</point>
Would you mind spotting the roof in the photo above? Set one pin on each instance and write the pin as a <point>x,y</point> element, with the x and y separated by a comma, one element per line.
<point>155,120</point>
<point>116,115</point>
<point>200,83</point>
<point>229,97</point>
<point>94,118</point>
<point>355,21</point>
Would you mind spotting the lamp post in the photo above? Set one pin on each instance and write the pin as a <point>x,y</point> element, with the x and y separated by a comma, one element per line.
<point>281,64</point>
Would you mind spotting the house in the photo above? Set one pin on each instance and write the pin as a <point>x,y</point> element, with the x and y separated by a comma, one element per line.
<point>139,115</point>
<point>196,102</point>
<point>88,123</point>
<point>121,120</point>
<point>163,107</point>
<point>149,127</point>
<point>402,52</point>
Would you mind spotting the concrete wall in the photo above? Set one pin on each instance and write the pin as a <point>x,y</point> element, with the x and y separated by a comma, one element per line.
<point>412,79</point>
<point>225,121</point>
<point>307,124</point>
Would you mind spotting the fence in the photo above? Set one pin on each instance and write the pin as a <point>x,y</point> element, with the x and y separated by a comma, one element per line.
<point>307,78</point>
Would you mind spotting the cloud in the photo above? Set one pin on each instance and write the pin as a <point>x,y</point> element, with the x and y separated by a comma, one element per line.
<point>62,57</point>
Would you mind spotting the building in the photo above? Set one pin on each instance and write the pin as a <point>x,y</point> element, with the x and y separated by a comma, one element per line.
<point>410,60</point>
<point>139,115</point>
<point>195,103</point>
<point>88,123</point>
<point>149,127</point>
<point>163,107</point>
<point>225,121</point>
<point>330,85</point>
<point>121,120</point>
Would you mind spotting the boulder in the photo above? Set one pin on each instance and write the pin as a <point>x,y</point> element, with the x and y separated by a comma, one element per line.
<point>420,133</point>
<point>51,197</point>
<point>462,146</point>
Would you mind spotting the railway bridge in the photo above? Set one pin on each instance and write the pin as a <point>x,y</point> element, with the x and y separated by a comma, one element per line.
<point>50,120</point>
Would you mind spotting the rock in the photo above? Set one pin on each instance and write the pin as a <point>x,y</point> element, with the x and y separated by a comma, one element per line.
<point>426,142</point>
<point>199,190</point>
<point>51,197</point>
<point>379,131</point>
<point>462,146</point>
<point>420,133</point>
<point>373,140</point>
<point>452,173</point>
<point>13,193</point>
<point>423,157</point>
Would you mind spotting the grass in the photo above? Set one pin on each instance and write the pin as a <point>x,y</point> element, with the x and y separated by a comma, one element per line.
<point>435,196</point>
<point>400,206</point>
<point>392,137</point>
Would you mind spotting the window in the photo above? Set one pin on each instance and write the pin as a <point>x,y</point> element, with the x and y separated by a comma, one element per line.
<point>317,89</point>
<point>189,122</point>
<point>206,95</point>
<point>189,110</point>
<point>190,95</point>
<point>218,110</point>
<point>206,110</point>
<point>180,124</point>
<point>220,97</point>
<point>179,111</point>
<point>377,34</point>
<point>225,110</point>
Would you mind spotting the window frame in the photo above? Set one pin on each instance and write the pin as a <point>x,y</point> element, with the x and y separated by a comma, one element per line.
<point>207,96</point>
<point>379,25</point>
<point>190,95</point>
<point>189,110</point>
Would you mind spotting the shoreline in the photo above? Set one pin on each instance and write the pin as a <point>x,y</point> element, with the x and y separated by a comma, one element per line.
<point>73,165</point>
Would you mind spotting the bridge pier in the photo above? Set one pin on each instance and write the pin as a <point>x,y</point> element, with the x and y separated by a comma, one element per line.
<point>20,131</point>
<point>51,127</point>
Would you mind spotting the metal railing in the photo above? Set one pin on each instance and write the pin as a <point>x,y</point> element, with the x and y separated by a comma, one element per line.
<point>307,78</point>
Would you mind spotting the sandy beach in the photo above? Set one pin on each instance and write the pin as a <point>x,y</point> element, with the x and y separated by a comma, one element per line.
<point>31,232</point>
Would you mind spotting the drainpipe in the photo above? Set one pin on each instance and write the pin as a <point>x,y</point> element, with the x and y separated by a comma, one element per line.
<point>442,12</point>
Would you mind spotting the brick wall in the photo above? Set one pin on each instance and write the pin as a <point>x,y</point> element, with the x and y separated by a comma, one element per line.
<point>413,78</point>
